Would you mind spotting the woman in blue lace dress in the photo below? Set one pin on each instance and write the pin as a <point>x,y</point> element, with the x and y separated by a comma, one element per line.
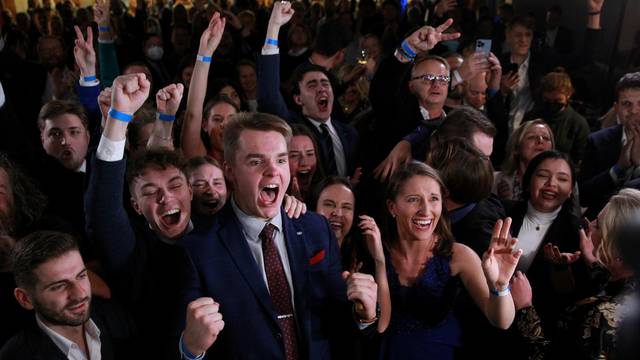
<point>426,268</point>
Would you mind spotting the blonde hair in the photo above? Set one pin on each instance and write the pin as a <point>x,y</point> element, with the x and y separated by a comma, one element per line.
<point>621,208</point>
<point>513,147</point>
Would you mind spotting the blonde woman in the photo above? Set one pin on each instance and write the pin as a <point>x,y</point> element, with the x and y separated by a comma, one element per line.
<point>587,330</point>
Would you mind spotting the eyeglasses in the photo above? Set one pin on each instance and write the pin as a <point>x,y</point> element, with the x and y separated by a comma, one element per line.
<point>430,78</point>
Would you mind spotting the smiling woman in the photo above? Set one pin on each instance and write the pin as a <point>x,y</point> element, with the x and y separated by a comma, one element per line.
<point>427,268</point>
<point>545,219</point>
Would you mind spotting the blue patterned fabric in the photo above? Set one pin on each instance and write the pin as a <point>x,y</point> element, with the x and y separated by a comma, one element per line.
<point>422,322</point>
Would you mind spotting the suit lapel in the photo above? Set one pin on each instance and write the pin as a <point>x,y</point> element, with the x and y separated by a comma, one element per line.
<point>230,234</point>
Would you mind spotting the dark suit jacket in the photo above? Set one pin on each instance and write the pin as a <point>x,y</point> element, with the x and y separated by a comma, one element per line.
<point>146,274</point>
<point>476,228</point>
<point>33,344</point>
<point>601,153</point>
<point>270,100</point>
<point>230,275</point>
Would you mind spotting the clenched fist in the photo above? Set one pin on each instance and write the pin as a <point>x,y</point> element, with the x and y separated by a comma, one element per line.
<point>129,92</point>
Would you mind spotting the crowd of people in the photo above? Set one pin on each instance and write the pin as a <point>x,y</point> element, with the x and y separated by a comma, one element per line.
<point>313,180</point>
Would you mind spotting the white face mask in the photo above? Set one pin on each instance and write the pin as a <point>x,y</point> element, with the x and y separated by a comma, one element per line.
<point>155,53</point>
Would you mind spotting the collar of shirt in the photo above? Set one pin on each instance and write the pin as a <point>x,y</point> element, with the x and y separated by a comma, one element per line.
<point>525,64</point>
<point>425,114</point>
<point>459,214</point>
<point>252,226</point>
<point>64,344</point>
<point>83,167</point>
<point>318,123</point>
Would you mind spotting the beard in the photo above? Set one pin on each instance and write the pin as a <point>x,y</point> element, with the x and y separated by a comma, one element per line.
<point>54,317</point>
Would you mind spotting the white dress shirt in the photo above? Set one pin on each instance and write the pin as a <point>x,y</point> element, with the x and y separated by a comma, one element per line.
<point>70,349</point>
<point>338,149</point>
<point>251,229</point>
<point>522,98</point>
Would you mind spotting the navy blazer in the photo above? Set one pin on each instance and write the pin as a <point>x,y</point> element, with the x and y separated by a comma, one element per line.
<point>600,154</point>
<point>230,275</point>
<point>270,100</point>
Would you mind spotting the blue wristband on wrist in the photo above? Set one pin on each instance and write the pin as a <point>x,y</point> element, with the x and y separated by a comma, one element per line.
<point>407,49</point>
<point>270,41</point>
<point>115,114</point>
<point>496,292</point>
<point>619,171</point>
<point>187,354</point>
<point>166,117</point>
<point>90,78</point>
<point>202,58</point>
<point>104,28</point>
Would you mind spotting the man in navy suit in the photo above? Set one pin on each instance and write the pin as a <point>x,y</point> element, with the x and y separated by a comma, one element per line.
<point>312,91</point>
<point>277,281</point>
<point>612,155</point>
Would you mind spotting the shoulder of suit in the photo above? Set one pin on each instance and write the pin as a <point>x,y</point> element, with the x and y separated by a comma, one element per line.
<point>613,133</point>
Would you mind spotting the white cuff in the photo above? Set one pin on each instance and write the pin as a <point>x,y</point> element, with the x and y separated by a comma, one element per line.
<point>109,150</point>
<point>271,51</point>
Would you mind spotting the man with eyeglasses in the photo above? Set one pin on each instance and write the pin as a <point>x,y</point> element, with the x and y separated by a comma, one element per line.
<point>428,82</point>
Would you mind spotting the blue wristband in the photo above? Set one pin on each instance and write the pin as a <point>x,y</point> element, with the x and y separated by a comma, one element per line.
<point>496,292</point>
<point>166,117</point>
<point>202,58</point>
<point>90,78</point>
<point>407,49</point>
<point>270,41</point>
<point>104,28</point>
<point>187,354</point>
<point>115,114</point>
<point>619,171</point>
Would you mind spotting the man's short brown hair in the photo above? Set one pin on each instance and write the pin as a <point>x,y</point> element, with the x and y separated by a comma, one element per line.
<point>251,121</point>
<point>467,173</point>
<point>36,249</point>
<point>160,159</point>
<point>55,108</point>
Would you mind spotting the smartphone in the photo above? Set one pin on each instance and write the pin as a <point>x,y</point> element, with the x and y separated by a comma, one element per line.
<point>362,59</point>
<point>483,46</point>
<point>510,68</point>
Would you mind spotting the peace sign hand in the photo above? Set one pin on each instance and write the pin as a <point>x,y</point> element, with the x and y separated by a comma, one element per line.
<point>500,260</point>
<point>427,37</point>
<point>83,52</point>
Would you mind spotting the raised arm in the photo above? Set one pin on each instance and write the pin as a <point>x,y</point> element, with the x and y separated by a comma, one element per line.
<point>167,103</point>
<point>107,221</point>
<point>270,98</point>
<point>88,85</point>
<point>109,68</point>
<point>373,239</point>
<point>489,288</point>
<point>191,142</point>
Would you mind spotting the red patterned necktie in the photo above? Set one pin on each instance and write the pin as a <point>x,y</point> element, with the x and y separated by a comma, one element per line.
<point>279,290</point>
